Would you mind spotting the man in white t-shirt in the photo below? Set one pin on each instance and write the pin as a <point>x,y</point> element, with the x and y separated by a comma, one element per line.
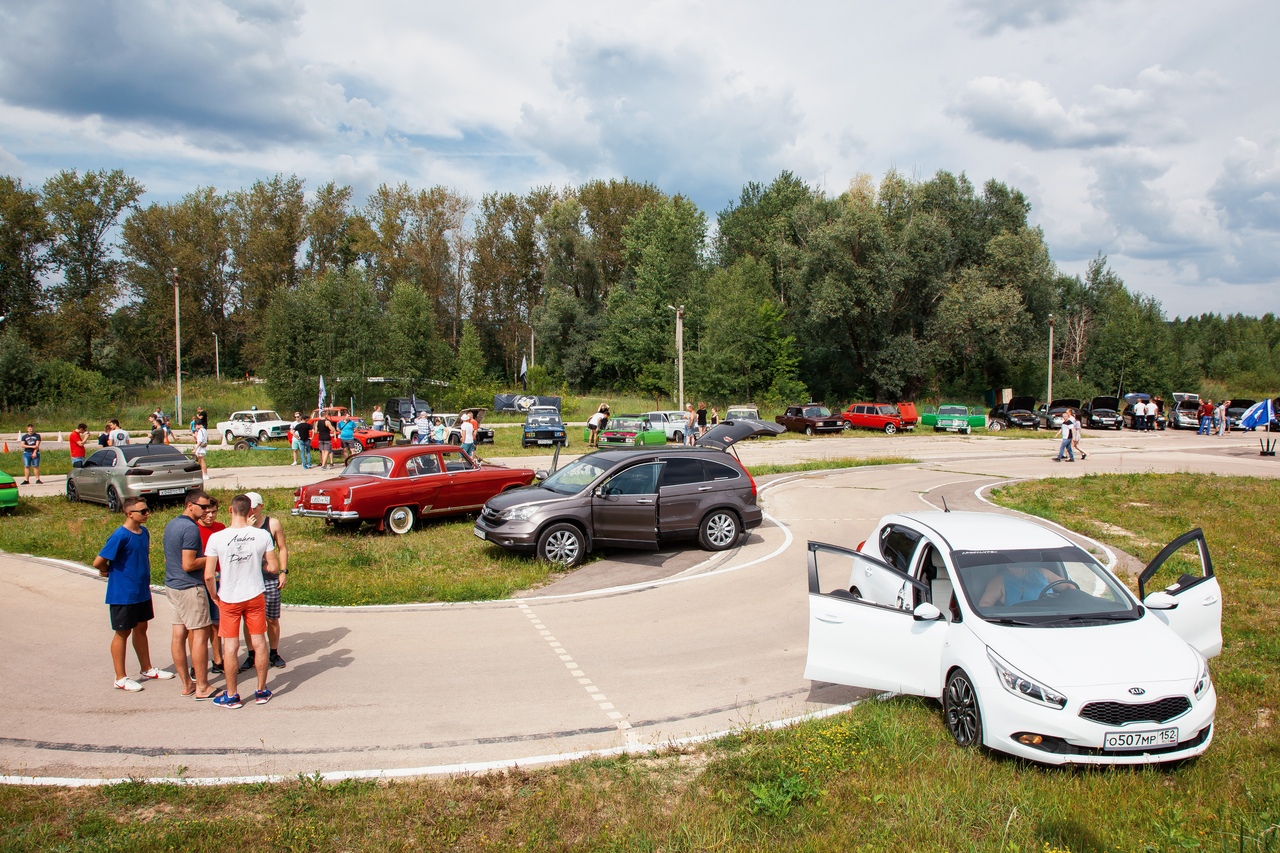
<point>242,552</point>
<point>116,436</point>
<point>468,429</point>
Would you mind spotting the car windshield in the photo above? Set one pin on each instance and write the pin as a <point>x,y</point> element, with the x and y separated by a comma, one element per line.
<point>817,412</point>
<point>1041,586</point>
<point>368,465</point>
<point>575,477</point>
<point>542,420</point>
<point>961,411</point>
<point>628,425</point>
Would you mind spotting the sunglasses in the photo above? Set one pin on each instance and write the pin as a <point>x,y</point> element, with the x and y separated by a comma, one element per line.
<point>141,511</point>
<point>205,506</point>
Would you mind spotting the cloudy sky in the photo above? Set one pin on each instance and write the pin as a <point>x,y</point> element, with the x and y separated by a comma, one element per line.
<point>1149,131</point>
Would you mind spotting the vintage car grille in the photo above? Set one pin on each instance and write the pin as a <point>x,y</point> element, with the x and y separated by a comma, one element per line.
<point>1119,713</point>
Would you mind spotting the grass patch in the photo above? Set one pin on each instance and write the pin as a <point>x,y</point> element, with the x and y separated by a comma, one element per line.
<point>884,776</point>
<point>824,464</point>
<point>440,560</point>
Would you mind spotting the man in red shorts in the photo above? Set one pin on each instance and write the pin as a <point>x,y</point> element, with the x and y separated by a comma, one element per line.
<point>242,552</point>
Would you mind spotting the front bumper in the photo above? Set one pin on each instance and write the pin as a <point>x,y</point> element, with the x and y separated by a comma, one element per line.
<point>520,536</point>
<point>345,515</point>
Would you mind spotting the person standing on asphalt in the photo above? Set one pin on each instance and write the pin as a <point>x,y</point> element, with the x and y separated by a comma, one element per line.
<point>125,561</point>
<point>157,431</point>
<point>184,584</point>
<point>293,437</point>
<point>1205,414</point>
<point>75,441</point>
<point>690,424</point>
<point>200,436</point>
<point>347,432</point>
<point>302,435</point>
<point>240,552</point>
<point>468,429</point>
<point>422,429</point>
<point>30,454</point>
<point>1224,425</point>
<point>1068,428</point>
<point>324,437</point>
<point>209,525</point>
<point>1076,432</point>
<point>272,583</point>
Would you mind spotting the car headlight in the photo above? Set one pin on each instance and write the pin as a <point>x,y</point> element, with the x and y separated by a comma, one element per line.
<point>517,513</point>
<point>528,433</point>
<point>1203,683</point>
<point>1022,685</point>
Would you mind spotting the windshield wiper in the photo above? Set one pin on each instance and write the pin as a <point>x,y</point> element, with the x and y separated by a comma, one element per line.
<point>1005,620</point>
<point>1094,617</point>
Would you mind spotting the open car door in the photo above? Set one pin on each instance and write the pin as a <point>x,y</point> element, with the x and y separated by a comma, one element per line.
<point>864,643</point>
<point>1184,570</point>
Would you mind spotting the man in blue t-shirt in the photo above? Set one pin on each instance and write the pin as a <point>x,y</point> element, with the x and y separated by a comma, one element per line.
<point>125,561</point>
<point>184,584</point>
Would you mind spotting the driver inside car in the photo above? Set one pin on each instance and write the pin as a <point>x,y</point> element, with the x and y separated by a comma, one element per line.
<point>1016,583</point>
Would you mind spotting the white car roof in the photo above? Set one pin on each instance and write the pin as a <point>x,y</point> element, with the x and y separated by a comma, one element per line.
<point>983,531</point>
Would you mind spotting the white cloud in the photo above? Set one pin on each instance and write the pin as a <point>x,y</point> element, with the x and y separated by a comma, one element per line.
<point>991,16</point>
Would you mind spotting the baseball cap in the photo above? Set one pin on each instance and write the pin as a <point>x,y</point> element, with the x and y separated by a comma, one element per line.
<point>255,499</point>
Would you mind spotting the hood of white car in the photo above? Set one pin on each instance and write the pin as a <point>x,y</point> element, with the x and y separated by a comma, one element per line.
<point>1127,653</point>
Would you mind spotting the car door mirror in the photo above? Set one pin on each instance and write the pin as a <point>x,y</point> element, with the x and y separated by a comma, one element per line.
<point>926,612</point>
<point>1160,601</point>
<point>540,474</point>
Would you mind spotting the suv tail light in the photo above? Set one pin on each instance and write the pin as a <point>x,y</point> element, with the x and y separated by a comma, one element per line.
<point>752,479</point>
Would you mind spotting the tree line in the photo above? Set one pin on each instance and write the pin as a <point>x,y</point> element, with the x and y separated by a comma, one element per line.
<point>890,290</point>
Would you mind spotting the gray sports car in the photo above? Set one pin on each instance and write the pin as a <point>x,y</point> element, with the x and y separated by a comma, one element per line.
<point>156,472</point>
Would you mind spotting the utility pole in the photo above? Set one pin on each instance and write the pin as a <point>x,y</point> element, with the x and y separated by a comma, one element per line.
<point>1049,393</point>
<point>679,351</point>
<point>177,341</point>
<point>217,361</point>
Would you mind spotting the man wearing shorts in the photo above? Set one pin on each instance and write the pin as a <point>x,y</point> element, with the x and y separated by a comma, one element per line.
<point>125,561</point>
<point>468,429</point>
<point>272,583</point>
<point>30,454</point>
<point>239,552</point>
<point>324,437</point>
<point>208,526</point>
<point>184,584</point>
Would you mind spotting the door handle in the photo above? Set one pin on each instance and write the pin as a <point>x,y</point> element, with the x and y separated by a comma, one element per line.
<point>644,500</point>
<point>828,618</point>
<point>704,488</point>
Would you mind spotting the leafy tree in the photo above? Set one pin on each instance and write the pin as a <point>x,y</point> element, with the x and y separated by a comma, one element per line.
<point>332,230</point>
<point>83,210</point>
<point>410,346</point>
<point>25,239</point>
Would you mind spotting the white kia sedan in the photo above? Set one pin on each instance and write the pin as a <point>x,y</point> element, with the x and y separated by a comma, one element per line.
<point>1032,646</point>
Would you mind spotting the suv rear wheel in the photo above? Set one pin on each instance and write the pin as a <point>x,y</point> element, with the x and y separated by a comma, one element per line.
<point>719,530</point>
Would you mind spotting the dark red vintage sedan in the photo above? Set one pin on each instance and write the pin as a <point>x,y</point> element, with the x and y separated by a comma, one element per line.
<point>392,487</point>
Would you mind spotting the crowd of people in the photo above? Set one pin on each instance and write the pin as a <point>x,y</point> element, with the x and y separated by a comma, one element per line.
<point>1213,417</point>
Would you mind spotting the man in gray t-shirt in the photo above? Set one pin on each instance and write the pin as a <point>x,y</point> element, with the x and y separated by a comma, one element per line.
<point>184,583</point>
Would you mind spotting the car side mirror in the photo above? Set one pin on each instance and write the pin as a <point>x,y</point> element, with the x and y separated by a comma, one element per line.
<point>540,474</point>
<point>1160,601</point>
<point>926,612</point>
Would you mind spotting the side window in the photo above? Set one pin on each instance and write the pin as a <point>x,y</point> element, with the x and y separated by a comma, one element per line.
<point>428,463</point>
<point>718,471</point>
<point>103,458</point>
<point>456,461</point>
<point>897,544</point>
<point>637,480</point>
<point>680,471</point>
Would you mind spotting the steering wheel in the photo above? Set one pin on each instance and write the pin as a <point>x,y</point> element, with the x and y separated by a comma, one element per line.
<point>1057,583</point>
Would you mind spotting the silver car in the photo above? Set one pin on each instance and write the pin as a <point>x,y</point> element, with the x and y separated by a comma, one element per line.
<point>152,471</point>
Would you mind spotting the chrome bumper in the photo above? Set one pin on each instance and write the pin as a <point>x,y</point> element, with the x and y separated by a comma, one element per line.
<point>347,515</point>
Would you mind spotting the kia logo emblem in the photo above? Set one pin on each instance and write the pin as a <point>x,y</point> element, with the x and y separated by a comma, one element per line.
<point>1136,691</point>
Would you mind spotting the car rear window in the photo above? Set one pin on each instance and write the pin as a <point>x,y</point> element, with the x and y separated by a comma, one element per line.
<point>158,452</point>
<point>680,471</point>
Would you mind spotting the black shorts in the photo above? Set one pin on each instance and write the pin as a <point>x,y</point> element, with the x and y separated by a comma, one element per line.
<point>125,617</point>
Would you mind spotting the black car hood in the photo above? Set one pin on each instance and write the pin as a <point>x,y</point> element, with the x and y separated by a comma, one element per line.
<point>1020,404</point>
<point>1111,404</point>
<point>726,433</point>
<point>1064,403</point>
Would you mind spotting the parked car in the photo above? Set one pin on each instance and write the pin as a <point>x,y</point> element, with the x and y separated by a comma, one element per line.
<point>1101,413</point>
<point>641,498</point>
<point>453,432</point>
<point>741,411</point>
<point>1018,412</point>
<point>259,424</point>
<point>878,416</point>
<point>156,472</point>
<point>810,419</point>
<point>672,425</point>
<point>1131,399</point>
<point>1236,410</point>
<point>401,412</point>
<point>393,487</point>
<point>1051,415</point>
<point>1185,413</point>
<point>8,493</point>
<point>367,437</point>
<point>952,418</point>
<point>1033,648</point>
<point>631,431</point>
<point>542,426</point>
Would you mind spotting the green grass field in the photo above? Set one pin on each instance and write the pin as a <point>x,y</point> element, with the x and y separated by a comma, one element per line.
<point>884,776</point>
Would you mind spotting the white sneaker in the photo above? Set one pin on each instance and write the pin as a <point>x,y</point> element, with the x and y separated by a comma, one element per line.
<point>291,464</point>
<point>128,685</point>
<point>158,674</point>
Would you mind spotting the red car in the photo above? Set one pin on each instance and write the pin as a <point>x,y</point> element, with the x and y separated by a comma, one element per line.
<point>877,416</point>
<point>367,437</point>
<point>393,487</point>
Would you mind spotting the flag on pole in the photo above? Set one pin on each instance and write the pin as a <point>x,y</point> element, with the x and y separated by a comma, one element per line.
<point>320,405</point>
<point>1261,413</point>
<point>524,372</point>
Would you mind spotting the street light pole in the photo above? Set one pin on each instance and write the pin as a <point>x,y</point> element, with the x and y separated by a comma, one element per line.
<point>177,341</point>
<point>679,351</point>
<point>1049,393</point>
<point>217,362</point>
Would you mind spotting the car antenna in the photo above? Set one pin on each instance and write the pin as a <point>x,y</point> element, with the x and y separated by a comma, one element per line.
<point>945,508</point>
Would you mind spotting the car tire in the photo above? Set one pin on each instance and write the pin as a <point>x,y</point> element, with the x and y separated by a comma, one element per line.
<point>113,499</point>
<point>848,426</point>
<point>968,431</point>
<point>960,708</point>
<point>241,444</point>
<point>995,426</point>
<point>678,438</point>
<point>229,437</point>
<point>262,436</point>
<point>719,530</point>
<point>400,519</point>
<point>1120,426</point>
<point>890,429</point>
<point>72,495</point>
<point>808,430</point>
<point>563,544</point>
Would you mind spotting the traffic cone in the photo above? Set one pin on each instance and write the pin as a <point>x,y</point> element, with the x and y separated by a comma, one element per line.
<point>6,447</point>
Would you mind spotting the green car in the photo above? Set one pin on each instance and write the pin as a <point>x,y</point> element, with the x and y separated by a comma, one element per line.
<point>8,493</point>
<point>952,418</point>
<point>631,431</point>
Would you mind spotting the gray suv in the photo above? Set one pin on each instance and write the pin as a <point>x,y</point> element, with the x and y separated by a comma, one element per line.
<point>632,498</point>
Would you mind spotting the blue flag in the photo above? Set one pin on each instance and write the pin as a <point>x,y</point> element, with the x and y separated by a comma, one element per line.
<point>1259,414</point>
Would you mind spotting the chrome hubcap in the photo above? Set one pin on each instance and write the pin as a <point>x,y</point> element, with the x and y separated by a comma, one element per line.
<point>562,547</point>
<point>721,529</point>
